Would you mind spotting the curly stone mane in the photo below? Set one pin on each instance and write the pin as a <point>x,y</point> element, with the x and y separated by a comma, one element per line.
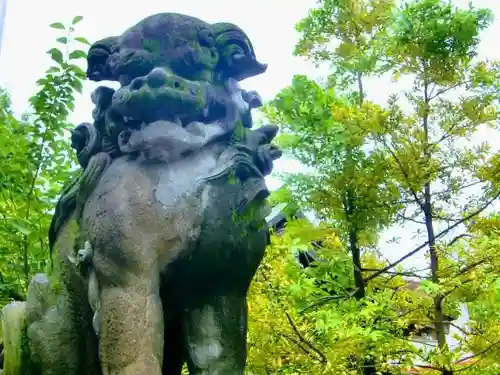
<point>125,60</point>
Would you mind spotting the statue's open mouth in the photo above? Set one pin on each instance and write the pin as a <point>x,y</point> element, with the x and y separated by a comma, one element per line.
<point>161,95</point>
<point>130,123</point>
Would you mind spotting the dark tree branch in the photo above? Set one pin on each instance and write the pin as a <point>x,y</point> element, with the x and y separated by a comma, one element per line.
<point>410,274</point>
<point>403,217</point>
<point>448,292</point>
<point>459,237</point>
<point>460,328</point>
<point>439,235</point>
<point>327,299</point>
<point>442,91</point>
<point>471,266</point>
<point>462,187</point>
<point>483,352</point>
<point>303,339</point>
<point>405,174</point>
<point>296,343</point>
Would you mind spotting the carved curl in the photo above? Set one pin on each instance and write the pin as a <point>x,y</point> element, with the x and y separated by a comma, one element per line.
<point>176,72</point>
<point>237,56</point>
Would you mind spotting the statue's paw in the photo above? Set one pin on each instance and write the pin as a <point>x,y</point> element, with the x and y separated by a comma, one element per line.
<point>265,156</point>
<point>268,131</point>
<point>39,298</point>
<point>85,255</point>
<point>253,99</point>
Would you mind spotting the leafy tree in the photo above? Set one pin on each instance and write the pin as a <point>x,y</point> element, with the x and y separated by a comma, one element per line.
<point>328,128</point>
<point>301,321</point>
<point>436,166</point>
<point>34,163</point>
<point>377,166</point>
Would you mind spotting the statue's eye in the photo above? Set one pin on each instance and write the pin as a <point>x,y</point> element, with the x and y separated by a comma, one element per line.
<point>207,38</point>
<point>237,51</point>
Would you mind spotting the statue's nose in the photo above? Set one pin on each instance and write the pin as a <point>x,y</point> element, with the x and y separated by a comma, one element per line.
<point>137,83</point>
<point>157,78</point>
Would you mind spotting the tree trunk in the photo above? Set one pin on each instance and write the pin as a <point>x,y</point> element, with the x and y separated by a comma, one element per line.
<point>368,365</point>
<point>431,238</point>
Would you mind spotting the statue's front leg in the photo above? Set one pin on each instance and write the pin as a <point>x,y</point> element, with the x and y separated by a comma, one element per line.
<point>131,315</point>
<point>216,336</point>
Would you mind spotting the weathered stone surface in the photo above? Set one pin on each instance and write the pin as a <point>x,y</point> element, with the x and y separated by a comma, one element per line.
<point>159,238</point>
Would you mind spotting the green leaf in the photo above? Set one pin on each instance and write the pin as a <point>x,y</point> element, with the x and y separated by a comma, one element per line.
<point>76,20</point>
<point>57,25</point>
<point>56,55</point>
<point>77,85</point>
<point>62,40</point>
<point>82,40</point>
<point>429,286</point>
<point>78,71</point>
<point>53,69</point>
<point>21,227</point>
<point>77,54</point>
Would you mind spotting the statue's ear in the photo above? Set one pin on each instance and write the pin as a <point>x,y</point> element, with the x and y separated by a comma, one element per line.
<point>237,56</point>
<point>246,66</point>
<point>97,59</point>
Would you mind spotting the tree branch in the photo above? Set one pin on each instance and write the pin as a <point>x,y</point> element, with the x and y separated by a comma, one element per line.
<point>439,235</point>
<point>460,236</point>
<point>448,292</point>
<point>327,299</point>
<point>296,343</point>
<point>303,339</point>
<point>478,354</point>
<point>403,217</point>
<point>405,174</point>
<point>410,274</point>
<point>442,91</point>
<point>471,266</point>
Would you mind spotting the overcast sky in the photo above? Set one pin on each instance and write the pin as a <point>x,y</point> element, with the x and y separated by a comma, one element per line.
<point>269,24</point>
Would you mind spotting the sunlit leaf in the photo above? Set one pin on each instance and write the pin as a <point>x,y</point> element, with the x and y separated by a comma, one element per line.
<point>57,25</point>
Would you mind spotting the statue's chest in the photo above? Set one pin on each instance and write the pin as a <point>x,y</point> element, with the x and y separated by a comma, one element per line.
<point>176,209</point>
<point>149,204</point>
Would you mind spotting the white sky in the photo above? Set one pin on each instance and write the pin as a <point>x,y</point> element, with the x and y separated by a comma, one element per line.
<point>269,24</point>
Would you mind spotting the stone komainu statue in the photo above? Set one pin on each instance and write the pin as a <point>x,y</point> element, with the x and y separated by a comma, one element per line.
<point>157,241</point>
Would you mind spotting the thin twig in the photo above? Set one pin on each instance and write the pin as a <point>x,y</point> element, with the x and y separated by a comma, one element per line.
<point>296,343</point>
<point>410,274</point>
<point>439,235</point>
<point>405,174</point>
<point>478,354</point>
<point>442,91</point>
<point>303,339</point>
<point>327,299</point>
<point>460,236</point>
